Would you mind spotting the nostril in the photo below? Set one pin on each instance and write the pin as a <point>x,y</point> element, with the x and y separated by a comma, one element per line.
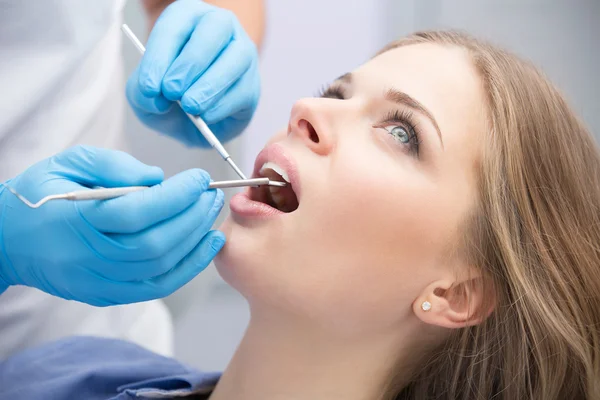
<point>312,133</point>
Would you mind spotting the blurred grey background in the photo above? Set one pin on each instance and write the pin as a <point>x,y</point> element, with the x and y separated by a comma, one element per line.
<point>308,43</point>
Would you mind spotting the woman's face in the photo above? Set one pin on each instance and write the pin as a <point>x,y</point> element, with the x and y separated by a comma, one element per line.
<point>383,168</point>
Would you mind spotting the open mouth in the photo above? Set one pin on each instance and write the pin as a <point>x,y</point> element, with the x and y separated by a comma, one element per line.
<point>284,198</point>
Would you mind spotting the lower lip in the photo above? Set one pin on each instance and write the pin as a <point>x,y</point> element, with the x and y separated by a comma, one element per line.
<point>243,205</point>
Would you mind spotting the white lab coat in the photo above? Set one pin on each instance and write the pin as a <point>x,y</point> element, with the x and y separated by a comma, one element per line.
<point>62,85</point>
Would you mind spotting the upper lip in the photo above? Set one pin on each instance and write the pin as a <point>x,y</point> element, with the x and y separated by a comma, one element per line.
<point>275,153</point>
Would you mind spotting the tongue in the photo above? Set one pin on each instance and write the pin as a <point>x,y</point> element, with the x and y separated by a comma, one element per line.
<point>284,199</point>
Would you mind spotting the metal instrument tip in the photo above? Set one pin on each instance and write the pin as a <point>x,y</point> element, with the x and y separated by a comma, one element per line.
<point>277,183</point>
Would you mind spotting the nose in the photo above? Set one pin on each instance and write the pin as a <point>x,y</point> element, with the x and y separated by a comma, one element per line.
<point>311,121</point>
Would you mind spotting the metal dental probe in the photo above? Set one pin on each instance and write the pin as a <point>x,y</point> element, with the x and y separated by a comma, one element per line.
<point>111,193</point>
<point>197,121</point>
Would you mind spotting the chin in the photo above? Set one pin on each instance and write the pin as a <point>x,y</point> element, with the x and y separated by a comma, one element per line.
<point>251,262</point>
<point>238,262</point>
<point>227,259</point>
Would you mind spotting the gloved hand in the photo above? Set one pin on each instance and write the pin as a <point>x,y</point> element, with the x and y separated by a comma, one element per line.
<point>199,54</point>
<point>141,246</point>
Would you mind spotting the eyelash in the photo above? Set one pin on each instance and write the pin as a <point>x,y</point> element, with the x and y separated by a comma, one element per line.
<point>331,92</point>
<point>404,118</point>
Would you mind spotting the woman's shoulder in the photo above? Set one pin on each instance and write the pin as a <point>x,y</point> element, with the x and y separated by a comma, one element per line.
<point>97,368</point>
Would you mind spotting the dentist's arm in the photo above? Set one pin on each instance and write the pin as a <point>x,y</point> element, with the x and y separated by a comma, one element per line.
<point>251,14</point>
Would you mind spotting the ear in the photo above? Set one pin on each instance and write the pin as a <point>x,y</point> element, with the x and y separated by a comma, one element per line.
<point>455,304</point>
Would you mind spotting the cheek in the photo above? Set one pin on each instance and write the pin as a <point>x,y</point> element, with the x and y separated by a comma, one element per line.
<point>386,206</point>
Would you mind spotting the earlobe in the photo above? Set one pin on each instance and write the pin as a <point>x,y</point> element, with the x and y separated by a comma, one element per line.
<point>455,304</point>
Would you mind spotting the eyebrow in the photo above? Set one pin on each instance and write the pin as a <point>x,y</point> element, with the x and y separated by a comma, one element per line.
<point>346,78</point>
<point>404,99</point>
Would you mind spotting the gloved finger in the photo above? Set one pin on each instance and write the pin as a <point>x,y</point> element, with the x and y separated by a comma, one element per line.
<point>212,34</point>
<point>137,211</point>
<point>240,101</point>
<point>162,115</point>
<point>159,249</point>
<point>141,104</point>
<point>228,119</point>
<point>169,35</point>
<point>190,266</point>
<point>92,166</point>
<point>185,270</point>
<point>233,62</point>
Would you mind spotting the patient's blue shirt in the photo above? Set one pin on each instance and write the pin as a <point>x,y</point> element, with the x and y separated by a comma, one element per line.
<point>95,368</point>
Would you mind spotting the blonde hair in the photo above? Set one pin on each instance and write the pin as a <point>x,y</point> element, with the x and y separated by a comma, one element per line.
<point>536,238</point>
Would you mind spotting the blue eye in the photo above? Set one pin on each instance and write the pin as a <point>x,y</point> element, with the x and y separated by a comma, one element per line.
<point>399,133</point>
<point>401,125</point>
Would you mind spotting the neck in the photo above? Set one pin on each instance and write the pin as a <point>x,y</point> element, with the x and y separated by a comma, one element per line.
<point>282,361</point>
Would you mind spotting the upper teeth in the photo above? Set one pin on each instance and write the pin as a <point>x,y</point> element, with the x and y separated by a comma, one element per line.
<point>276,168</point>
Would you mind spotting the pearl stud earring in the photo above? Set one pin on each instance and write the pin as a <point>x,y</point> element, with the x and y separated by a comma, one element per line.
<point>426,306</point>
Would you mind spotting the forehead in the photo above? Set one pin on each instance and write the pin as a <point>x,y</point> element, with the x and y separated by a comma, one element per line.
<point>442,78</point>
<point>439,69</point>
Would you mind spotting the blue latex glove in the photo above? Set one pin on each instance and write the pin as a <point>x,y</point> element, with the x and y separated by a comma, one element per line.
<point>142,246</point>
<point>198,54</point>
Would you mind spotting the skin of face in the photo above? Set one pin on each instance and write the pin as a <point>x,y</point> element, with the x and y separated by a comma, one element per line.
<point>375,219</point>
